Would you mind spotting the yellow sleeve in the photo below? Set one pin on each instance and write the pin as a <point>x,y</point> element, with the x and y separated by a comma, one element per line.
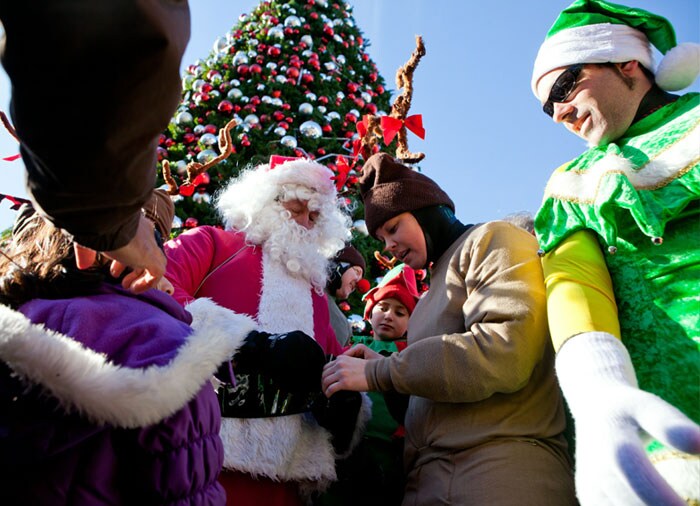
<point>580,295</point>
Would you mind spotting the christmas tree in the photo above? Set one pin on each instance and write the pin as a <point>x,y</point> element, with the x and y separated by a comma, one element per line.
<point>296,78</point>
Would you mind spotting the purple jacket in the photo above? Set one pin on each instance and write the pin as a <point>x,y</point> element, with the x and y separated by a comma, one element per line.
<point>129,417</point>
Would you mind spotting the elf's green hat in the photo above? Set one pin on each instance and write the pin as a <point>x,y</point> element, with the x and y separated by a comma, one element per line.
<point>594,31</point>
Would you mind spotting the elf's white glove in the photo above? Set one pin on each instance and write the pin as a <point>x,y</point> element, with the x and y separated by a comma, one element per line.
<point>598,380</point>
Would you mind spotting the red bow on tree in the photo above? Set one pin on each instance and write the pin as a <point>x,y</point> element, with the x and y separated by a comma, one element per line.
<point>342,170</point>
<point>391,126</point>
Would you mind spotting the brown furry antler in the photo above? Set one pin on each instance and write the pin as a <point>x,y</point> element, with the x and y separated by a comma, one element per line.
<point>372,137</point>
<point>384,261</point>
<point>194,169</point>
<point>402,104</point>
<point>399,111</point>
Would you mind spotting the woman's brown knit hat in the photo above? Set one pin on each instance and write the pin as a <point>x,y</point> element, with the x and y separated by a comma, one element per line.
<point>389,188</point>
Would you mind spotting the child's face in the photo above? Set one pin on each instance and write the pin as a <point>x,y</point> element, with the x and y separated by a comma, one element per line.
<point>389,320</point>
<point>403,237</point>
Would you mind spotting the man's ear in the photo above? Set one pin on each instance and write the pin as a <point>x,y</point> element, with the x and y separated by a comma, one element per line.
<point>629,68</point>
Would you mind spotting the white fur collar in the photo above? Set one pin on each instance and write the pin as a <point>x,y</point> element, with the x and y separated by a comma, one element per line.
<point>85,381</point>
<point>669,164</point>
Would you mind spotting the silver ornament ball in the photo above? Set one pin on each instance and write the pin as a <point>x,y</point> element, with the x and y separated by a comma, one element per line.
<point>289,141</point>
<point>306,108</point>
<point>311,129</point>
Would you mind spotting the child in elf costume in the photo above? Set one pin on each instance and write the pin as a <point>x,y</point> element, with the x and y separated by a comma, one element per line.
<point>374,472</point>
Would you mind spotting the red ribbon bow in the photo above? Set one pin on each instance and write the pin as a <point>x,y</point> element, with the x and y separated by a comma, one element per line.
<point>342,170</point>
<point>361,132</point>
<point>11,158</point>
<point>391,126</point>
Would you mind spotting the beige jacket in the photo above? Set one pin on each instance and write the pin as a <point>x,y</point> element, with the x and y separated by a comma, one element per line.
<point>479,361</point>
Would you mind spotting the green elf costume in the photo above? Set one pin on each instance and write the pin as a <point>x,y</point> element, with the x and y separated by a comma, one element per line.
<point>619,231</point>
<point>374,473</point>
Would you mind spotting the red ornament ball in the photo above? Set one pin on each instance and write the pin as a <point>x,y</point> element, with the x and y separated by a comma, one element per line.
<point>243,70</point>
<point>225,106</point>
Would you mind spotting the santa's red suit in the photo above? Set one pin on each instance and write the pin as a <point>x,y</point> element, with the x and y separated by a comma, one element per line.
<point>284,457</point>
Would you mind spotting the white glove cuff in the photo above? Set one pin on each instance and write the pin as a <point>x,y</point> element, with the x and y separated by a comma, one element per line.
<point>591,360</point>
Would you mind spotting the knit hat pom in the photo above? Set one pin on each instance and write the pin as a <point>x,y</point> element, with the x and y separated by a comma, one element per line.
<point>680,67</point>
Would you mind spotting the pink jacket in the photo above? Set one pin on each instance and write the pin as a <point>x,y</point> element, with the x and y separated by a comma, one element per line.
<point>219,264</point>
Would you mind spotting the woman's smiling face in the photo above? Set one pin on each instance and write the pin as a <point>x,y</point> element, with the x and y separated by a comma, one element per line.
<point>403,237</point>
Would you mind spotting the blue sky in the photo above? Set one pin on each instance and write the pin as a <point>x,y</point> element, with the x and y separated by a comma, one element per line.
<point>488,144</point>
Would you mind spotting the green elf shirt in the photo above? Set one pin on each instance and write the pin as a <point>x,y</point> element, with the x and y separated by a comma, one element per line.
<point>640,198</point>
<point>382,425</point>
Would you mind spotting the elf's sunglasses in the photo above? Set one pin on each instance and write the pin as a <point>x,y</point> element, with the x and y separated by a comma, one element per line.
<point>562,88</point>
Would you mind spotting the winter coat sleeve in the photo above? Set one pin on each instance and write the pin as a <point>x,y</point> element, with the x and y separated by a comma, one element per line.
<point>492,290</point>
<point>114,85</point>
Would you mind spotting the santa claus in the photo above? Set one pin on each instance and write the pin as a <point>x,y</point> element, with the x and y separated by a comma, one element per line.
<point>283,223</point>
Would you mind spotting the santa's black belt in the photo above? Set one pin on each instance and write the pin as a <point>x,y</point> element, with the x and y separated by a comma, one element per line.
<point>258,396</point>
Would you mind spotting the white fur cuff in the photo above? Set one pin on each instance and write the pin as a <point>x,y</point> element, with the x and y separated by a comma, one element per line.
<point>86,381</point>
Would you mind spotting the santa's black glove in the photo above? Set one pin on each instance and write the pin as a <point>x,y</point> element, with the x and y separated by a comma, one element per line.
<point>293,360</point>
<point>338,415</point>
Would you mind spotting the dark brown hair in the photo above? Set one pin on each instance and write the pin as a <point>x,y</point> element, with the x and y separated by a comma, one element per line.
<point>38,262</point>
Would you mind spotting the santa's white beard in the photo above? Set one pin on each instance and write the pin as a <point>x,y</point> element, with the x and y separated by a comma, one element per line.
<point>296,248</point>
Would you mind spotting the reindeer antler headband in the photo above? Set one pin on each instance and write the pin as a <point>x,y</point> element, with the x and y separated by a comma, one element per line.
<point>373,128</point>
<point>194,169</point>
